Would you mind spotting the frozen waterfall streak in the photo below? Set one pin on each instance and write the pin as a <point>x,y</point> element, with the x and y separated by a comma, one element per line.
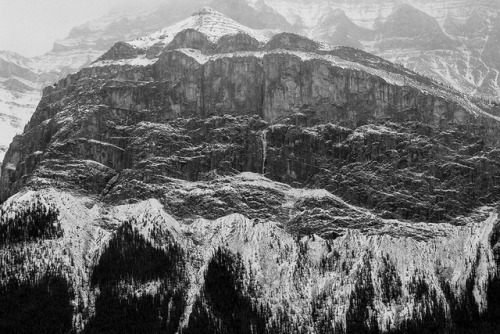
<point>263,138</point>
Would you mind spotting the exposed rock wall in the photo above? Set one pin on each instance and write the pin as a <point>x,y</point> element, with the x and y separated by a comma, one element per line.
<point>90,115</point>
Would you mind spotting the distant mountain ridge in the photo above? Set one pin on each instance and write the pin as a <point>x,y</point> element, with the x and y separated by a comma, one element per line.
<point>416,34</point>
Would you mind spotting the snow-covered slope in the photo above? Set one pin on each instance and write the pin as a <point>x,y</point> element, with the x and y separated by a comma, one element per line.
<point>366,13</point>
<point>19,95</point>
<point>290,274</point>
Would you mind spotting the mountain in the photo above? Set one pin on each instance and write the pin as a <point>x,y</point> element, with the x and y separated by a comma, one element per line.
<point>211,178</point>
<point>408,28</point>
<point>444,39</point>
<point>456,45</point>
<point>19,95</point>
<point>336,28</point>
<point>83,45</point>
<point>87,42</point>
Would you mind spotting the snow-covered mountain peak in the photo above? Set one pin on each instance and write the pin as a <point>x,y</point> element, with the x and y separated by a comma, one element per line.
<point>207,11</point>
<point>207,21</point>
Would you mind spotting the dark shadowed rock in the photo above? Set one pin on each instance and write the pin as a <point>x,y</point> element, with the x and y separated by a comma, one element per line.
<point>120,51</point>
<point>190,39</point>
<point>408,27</point>
<point>293,42</point>
<point>235,43</point>
<point>337,29</point>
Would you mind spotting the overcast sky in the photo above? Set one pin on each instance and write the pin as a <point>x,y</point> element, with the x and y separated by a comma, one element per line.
<point>30,27</point>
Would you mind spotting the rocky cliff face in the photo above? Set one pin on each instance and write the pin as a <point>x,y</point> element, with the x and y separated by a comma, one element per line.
<point>24,78</point>
<point>441,39</point>
<point>207,178</point>
<point>277,81</point>
<point>451,41</point>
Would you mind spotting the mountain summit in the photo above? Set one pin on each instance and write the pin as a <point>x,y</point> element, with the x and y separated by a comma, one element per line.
<point>208,21</point>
